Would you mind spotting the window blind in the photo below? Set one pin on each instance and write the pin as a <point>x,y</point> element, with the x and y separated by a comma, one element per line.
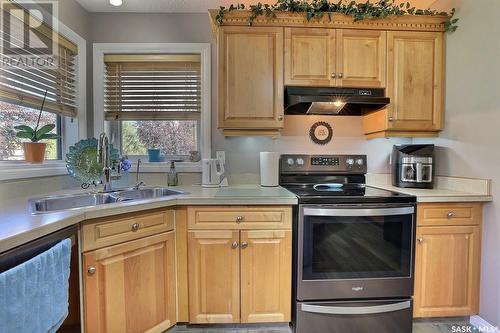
<point>152,86</point>
<point>25,84</point>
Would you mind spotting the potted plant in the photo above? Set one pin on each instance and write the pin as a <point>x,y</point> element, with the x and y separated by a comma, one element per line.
<point>34,151</point>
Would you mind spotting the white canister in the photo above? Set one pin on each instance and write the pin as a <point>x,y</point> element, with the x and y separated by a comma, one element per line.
<point>269,168</point>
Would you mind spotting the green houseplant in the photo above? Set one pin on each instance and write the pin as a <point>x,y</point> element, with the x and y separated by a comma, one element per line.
<point>34,150</point>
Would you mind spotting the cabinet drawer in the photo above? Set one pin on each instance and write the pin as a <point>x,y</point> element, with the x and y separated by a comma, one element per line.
<point>240,217</point>
<point>113,230</point>
<point>436,214</point>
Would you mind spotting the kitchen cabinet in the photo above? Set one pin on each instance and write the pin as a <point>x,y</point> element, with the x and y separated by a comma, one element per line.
<point>415,85</point>
<point>214,286</point>
<point>131,287</point>
<point>250,80</point>
<point>266,282</point>
<point>239,271</point>
<point>447,260</point>
<point>335,57</point>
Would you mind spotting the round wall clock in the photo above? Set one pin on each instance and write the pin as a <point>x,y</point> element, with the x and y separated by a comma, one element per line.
<point>321,133</point>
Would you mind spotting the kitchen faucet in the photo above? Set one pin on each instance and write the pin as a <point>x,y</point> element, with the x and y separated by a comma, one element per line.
<point>138,183</point>
<point>104,158</point>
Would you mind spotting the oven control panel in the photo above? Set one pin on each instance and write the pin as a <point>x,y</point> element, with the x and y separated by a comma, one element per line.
<point>346,164</point>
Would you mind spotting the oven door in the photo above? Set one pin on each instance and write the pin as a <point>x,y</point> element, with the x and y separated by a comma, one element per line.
<point>355,251</point>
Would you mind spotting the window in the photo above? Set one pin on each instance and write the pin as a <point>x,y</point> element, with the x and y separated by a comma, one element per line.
<point>153,101</point>
<point>11,146</point>
<point>24,84</point>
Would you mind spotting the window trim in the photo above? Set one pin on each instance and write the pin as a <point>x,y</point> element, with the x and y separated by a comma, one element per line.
<point>72,129</point>
<point>99,49</point>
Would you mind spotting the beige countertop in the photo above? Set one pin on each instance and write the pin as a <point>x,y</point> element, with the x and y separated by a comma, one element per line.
<point>19,226</point>
<point>447,189</point>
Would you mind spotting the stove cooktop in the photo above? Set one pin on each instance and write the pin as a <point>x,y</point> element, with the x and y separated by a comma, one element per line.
<point>347,194</point>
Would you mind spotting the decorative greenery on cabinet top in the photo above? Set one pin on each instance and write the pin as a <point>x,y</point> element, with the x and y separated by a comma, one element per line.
<point>325,11</point>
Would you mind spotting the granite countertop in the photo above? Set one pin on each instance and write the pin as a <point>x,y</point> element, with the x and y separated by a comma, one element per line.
<point>19,226</point>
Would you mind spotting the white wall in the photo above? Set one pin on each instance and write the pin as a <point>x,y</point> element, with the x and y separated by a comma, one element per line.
<point>470,141</point>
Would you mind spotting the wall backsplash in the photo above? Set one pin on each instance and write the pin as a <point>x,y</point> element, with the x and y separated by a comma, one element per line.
<point>242,154</point>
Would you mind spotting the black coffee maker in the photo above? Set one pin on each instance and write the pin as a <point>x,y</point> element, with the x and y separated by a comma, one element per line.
<point>413,166</point>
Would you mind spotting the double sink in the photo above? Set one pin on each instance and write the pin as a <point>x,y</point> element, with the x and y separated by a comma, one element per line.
<point>84,200</point>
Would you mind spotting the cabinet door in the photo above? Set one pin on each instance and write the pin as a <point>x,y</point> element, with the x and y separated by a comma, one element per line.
<point>130,287</point>
<point>266,263</point>
<point>250,78</point>
<point>415,80</point>
<point>214,280</point>
<point>447,271</point>
<point>309,56</point>
<point>361,58</point>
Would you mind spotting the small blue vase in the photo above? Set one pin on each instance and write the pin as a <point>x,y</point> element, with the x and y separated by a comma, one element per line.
<point>154,155</point>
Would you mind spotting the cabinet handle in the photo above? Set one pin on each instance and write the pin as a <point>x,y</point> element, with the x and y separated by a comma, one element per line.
<point>234,245</point>
<point>420,240</point>
<point>239,219</point>
<point>91,270</point>
<point>450,215</point>
<point>334,75</point>
<point>244,245</point>
<point>391,119</point>
<point>280,117</point>
<point>341,75</point>
<point>135,226</point>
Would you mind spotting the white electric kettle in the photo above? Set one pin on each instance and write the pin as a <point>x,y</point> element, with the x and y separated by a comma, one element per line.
<point>212,172</point>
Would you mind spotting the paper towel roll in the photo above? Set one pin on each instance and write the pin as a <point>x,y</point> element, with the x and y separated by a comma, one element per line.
<point>269,168</point>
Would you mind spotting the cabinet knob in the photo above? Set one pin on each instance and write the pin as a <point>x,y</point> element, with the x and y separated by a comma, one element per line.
<point>135,226</point>
<point>420,240</point>
<point>234,245</point>
<point>391,118</point>
<point>244,245</point>
<point>239,219</point>
<point>334,75</point>
<point>450,215</point>
<point>280,117</point>
<point>341,75</point>
<point>91,270</point>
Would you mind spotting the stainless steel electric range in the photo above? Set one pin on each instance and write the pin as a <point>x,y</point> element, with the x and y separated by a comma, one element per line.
<point>353,248</point>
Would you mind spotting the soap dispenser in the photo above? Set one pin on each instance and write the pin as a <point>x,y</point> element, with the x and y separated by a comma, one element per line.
<point>173,180</point>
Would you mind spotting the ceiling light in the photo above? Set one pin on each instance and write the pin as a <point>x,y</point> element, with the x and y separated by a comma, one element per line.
<point>116,3</point>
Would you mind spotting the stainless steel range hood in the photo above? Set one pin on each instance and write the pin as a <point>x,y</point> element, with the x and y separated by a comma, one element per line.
<point>333,101</point>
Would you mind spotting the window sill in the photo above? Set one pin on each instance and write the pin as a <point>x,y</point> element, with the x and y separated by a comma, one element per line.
<point>21,170</point>
<point>160,167</point>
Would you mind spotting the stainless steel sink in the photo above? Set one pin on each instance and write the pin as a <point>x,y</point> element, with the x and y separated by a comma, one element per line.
<point>85,200</point>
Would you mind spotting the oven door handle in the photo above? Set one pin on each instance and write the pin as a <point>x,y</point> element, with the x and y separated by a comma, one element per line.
<point>358,211</point>
<point>342,310</point>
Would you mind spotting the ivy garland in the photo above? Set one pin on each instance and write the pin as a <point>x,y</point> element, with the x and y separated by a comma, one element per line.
<point>318,8</point>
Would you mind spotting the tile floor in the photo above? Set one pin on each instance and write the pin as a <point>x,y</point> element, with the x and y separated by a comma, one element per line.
<point>419,326</point>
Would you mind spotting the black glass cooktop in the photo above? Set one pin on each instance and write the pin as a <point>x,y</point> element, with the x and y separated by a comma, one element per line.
<point>348,193</point>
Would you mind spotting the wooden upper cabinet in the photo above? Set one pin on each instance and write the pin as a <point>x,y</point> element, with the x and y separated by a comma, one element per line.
<point>131,287</point>
<point>309,56</point>
<point>266,264</point>
<point>214,280</point>
<point>361,58</point>
<point>329,57</point>
<point>250,78</point>
<point>415,80</point>
<point>447,271</point>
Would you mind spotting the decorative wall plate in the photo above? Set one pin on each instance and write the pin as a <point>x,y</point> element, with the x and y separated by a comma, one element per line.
<point>321,133</point>
<point>81,161</point>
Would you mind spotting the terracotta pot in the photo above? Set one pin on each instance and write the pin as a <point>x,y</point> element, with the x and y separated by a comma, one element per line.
<point>34,152</point>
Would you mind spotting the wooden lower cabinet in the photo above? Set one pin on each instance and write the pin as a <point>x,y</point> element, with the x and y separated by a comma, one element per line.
<point>239,276</point>
<point>131,287</point>
<point>447,270</point>
<point>266,283</point>
<point>214,287</point>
